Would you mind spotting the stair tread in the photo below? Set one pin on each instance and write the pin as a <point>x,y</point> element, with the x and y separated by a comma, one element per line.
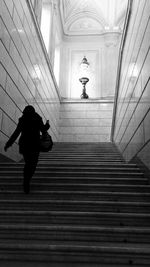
<point>92,192</point>
<point>141,179</point>
<point>22,226</point>
<point>75,163</point>
<point>76,171</point>
<point>100,168</point>
<point>119,247</point>
<point>73,213</point>
<point>85,203</point>
<point>126,186</point>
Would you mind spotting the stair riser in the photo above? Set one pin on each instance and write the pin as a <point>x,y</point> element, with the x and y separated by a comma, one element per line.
<point>79,187</point>
<point>72,236</point>
<point>82,157</point>
<point>89,169</point>
<point>77,207</point>
<point>70,164</point>
<point>81,160</point>
<point>67,195</point>
<point>101,220</point>
<point>73,224</point>
<point>75,174</point>
<point>123,181</point>
<point>67,255</point>
<point>82,153</point>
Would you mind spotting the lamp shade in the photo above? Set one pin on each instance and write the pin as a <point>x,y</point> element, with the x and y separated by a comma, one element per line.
<point>84,63</point>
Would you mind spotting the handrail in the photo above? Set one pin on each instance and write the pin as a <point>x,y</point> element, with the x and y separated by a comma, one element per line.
<point>123,40</point>
<point>43,46</point>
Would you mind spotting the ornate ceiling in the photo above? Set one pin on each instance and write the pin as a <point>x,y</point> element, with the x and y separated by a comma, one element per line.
<point>87,17</point>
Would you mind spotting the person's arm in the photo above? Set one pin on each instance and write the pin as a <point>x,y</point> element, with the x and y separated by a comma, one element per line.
<point>44,127</point>
<point>13,137</point>
<point>47,125</point>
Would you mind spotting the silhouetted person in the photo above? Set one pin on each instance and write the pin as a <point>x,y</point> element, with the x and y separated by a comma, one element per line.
<point>29,126</point>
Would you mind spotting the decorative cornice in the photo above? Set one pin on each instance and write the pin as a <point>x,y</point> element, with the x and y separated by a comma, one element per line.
<point>106,15</point>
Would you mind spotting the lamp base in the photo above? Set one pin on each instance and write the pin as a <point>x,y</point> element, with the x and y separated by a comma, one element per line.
<point>84,81</point>
<point>84,95</point>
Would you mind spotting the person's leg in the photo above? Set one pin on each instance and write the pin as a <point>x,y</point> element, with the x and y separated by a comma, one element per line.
<point>26,173</point>
<point>31,160</point>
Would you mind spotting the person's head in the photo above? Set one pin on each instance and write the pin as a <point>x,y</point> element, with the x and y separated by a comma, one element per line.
<point>28,110</point>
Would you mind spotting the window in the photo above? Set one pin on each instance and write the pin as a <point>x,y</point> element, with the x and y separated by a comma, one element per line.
<point>57,64</point>
<point>46,23</point>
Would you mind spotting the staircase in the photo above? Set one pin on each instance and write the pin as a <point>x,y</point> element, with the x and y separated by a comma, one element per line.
<point>87,207</point>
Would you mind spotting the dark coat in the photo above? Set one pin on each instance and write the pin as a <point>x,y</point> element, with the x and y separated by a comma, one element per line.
<point>29,127</point>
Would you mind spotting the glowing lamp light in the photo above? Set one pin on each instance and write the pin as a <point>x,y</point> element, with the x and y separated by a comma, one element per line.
<point>84,63</point>
<point>107,28</point>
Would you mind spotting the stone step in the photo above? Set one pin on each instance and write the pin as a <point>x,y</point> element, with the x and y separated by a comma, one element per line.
<point>74,173</point>
<point>81,159</point>
<point>81,154</point>
<point>73,232</point>
<point>86,207</point>
<point>89,149</point>
<point>75,165</point>
<point>77,195</point>
<point>92,180</point>
<point>75,218</point>
<point>80,243</point>
<point>135,255</point>
<point>75,205</point>
<point>73,168</point>
<point>72,163</point>
<point>86,156</point>
<point>18,263</point>
<point>79,187</point>
<point>83,151</point>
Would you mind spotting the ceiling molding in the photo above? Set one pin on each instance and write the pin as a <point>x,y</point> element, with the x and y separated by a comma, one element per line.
<point>92,16</point>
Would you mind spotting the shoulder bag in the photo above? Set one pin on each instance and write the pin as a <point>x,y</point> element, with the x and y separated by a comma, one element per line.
<point>46,142</point>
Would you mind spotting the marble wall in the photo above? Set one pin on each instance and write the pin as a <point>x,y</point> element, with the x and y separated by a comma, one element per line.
<point>85,121</point>
<point>132,127</point>
<point>26,75</point>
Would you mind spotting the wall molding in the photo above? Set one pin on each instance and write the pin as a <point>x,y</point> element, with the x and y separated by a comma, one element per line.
<point>78,100</point>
